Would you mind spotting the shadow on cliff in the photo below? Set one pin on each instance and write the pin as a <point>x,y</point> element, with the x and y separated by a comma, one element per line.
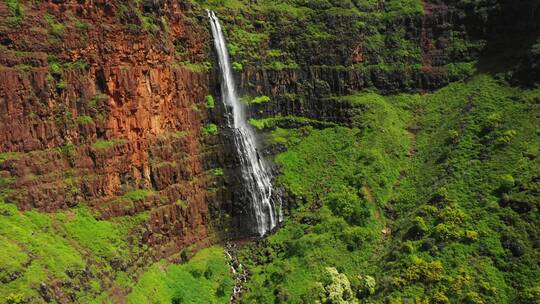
<point>513,43</point>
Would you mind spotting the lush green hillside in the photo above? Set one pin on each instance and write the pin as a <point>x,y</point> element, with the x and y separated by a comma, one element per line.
<point>72,248</point>
<point>433,196</point>
<point>206,278</point>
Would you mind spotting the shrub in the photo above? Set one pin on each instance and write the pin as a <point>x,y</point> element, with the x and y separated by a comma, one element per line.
<point>530,295</point>
<point>62,84</point>
<point>418,229</point>
<point>149,24</point>
<point>196,67</point>
<point>237,66</point>
<point>445,232</point>
<point>506,137</point>
<point>139,194</point>
<point>355,237</point>
<point>398,282</point>
<point>210,129</point>
<point>473,298</point>
<point>210,102</point>
<point>471,235</point>
<point>80,65</point>
<point>367,285</point>
<point>106,144</point>
<point>185,254</point>
<point>407,247</point>
<point>454,136</point>
<point>461,70</point>
<point>440,196</point>
<point>493,122</point>
<point>337,287</point>
<point>15,298</point>
<point>218,171</point>
<point>9,155</point>
<point>55,68</point>
<point>23,68</point>
<point>347,204</point>
<point>16,11</point>
<point>260,99</point>
<point>80,25</point>
<point>451,215</point>
<point>84,119</point>
<point>56,28</point>
<point>439,298</point>
<point>506,182</point>
<point>420,270</point>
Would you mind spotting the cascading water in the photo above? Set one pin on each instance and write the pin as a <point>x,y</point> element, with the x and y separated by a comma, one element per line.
<point>255,172</point>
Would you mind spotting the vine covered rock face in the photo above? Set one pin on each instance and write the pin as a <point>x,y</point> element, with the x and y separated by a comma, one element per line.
<point>403,135</point>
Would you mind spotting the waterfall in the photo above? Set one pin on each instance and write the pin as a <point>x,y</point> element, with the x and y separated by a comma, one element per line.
<point>255,171</point>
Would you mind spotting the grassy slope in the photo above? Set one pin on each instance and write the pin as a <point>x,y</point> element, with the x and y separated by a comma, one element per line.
<point>476,168</point>
<point>205,278</point>
<point>462,231</point>
<point>340,224</point>
<point>59,247</point>
<point>74,247</point>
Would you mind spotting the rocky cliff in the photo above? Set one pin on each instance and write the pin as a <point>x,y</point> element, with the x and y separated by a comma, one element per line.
<point>102,103</point>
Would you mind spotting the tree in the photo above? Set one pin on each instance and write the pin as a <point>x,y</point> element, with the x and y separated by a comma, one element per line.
<point>336,289</point>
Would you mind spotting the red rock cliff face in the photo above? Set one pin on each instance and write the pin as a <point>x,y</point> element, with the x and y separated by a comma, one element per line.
<point>97,110</point>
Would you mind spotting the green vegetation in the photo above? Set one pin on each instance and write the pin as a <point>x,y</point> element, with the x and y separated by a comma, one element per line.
<point>84,119</point>
<point>40,247</point>
<point>287,121</point>
<point>391,197</point>
<point>102,238</point>
<point>56,28</point>
<point>237,66</point>
<point>460,151</point>
<point>139,194</point>
<point>297,34</point>
<point>102,144</point>
<point>343,175</point>
<point>138,19</point>
<point>278,65</point>
<point>256,100</point>
<point>23,68</point>
<point>80,25</point>
<point>80,65</point>
<point>445,166</point>
<point>57,67</point>
<point>9,155</point>
<point>218,171</point>
<point>206,278</point>
<point>16,12</point>
<point>149,24</point>
<point>209,129</point>
<point>210,103</point>
<point>62,84</point>
<point>196,67</point>
<point>100,107</point>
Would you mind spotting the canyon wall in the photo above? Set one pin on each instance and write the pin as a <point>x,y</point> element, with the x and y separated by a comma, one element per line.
<point>96,108</point>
